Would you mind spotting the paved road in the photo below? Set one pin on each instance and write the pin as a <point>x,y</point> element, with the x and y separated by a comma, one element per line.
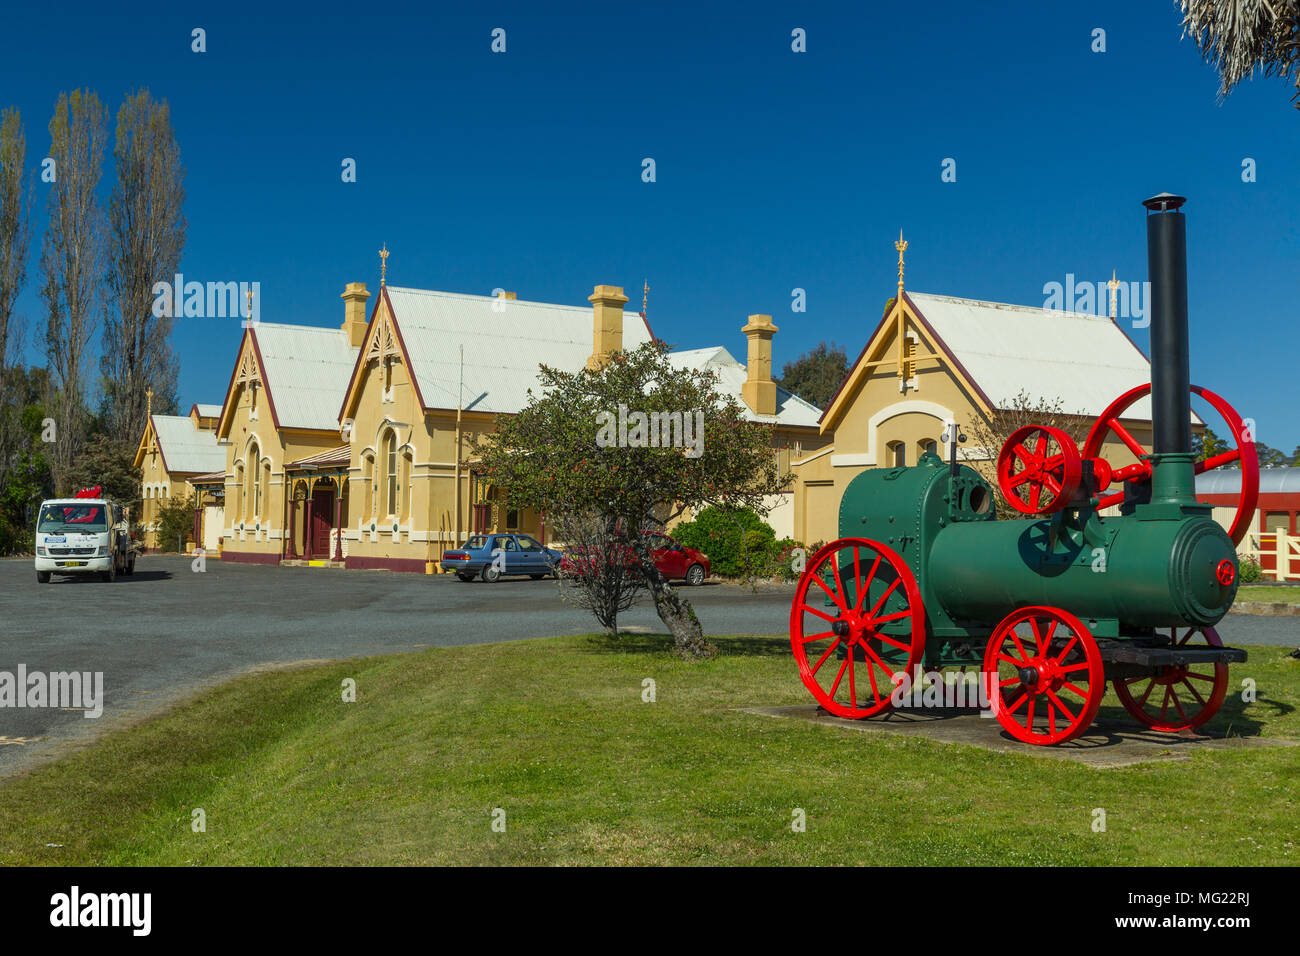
<point>168,631</point>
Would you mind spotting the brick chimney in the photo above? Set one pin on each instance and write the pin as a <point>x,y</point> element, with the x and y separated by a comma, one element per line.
<point>759,390</point>
<point>607,303</point>
<point>354,312</point>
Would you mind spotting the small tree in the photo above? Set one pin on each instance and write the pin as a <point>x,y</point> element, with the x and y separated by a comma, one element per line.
<point>175,522</point>
<point>585,444</point>
<point>599,576</point>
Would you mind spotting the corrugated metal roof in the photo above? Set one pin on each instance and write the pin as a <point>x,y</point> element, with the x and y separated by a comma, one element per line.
<point>208,411</point>
<point>790,409</point>
<point>307,369</point>
<point>1227,481</point>
<point>335,456</point>
<point>1084,360</point>
<point>186,448</point>
<point>211,478</point>
<point>502,348</point>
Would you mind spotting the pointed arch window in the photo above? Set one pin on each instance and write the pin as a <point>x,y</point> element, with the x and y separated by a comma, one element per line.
<point>390,473</point>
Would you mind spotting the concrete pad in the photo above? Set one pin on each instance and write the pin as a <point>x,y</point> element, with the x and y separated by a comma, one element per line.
<point>1107,743</point>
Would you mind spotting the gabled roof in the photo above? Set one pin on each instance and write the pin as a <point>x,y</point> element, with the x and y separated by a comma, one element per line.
<point>504,341</point>
<point>185,449</point>
<point>205,411</point>
<point>790,408</point>
<point>1085,360</point>
<point>305,371</point>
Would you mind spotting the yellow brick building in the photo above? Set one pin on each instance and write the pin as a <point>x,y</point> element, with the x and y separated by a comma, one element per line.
<point>350,446</point>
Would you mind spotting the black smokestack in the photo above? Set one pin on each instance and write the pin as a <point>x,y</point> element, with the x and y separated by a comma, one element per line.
<point>1171,401</point>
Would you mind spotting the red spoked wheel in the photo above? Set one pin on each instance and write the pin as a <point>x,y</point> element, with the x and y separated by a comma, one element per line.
<point>1044,675</point>
<point>856,603</point>
<point>1195,691</point>
<point>1244,452</point>
<point>1039,469</point>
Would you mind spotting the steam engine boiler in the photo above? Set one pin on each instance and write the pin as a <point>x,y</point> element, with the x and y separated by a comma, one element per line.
<point>1052,607</point>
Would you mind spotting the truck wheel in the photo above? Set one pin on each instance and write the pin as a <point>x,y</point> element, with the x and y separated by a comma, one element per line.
<point>43,577</point>
<point>111,574</point>
<point>130,566</point>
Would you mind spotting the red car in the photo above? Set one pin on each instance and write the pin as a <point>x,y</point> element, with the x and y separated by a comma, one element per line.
<point>675,561</point>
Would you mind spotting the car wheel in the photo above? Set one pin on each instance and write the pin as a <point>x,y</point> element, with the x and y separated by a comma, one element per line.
<point>537,577</point>
<point>695,575</point>
<point>464,577</point>
<point>43,577</point>
<point>490,574</point>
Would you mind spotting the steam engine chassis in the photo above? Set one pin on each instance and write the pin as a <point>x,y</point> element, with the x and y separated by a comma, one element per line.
<point>1051,608</point>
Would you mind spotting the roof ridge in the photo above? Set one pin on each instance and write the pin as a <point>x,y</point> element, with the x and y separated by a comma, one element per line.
<point>486,298</point>
<point>1092,316</point>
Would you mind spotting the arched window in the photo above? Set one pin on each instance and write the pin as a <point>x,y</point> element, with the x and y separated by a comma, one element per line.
<point>368,471</point>
<point>897,454</point>
<point>252,486</point>
<point>927,445</point>
<point>390,473</point>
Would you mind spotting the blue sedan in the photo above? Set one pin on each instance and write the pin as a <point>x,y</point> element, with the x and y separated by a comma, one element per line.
<point>491,556</point>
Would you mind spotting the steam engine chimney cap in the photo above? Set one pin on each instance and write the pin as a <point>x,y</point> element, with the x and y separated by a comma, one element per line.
<point>1164,202</point>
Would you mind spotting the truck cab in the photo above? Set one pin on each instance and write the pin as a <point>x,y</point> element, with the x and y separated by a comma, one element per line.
<point>86,534</point>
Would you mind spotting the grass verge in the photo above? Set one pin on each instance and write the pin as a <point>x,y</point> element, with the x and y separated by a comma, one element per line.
<point>555,732</point>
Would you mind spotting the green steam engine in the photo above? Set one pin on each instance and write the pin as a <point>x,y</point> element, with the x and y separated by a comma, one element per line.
<point>1051,608</point>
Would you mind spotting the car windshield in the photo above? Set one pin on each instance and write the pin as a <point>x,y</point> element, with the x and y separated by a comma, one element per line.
<point>83,518</point>
<point>476,543</point>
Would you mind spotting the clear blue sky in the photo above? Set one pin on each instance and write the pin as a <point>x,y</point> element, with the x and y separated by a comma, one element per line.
<point>775,170</point>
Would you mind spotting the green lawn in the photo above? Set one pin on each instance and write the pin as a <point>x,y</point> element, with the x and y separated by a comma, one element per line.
<point>1274,595</point>
<point>555,732</point>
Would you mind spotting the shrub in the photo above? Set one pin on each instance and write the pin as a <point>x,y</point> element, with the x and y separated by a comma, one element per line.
<point>738,542</point>
<point>1249,571</point>
<point>175,518</point>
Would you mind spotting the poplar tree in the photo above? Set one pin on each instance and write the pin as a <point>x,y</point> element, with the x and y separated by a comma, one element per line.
<point>72,266</point>
<point>14,236</point>
<point>146,236</point>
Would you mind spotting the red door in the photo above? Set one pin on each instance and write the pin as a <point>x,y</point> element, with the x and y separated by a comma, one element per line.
<point>322,516</point>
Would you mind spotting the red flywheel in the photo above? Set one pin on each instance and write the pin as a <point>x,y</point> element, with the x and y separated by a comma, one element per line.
<point>1244,452</point>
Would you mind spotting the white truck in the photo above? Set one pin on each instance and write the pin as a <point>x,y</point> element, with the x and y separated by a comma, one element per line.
<point>85,534</point>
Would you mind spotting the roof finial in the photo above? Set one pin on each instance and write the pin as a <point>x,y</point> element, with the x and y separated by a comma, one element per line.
<point>645,296</point>
<point>1113,285</point>
<point>901,246</point>
<point>383,266</point>
<point>148,401</point>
